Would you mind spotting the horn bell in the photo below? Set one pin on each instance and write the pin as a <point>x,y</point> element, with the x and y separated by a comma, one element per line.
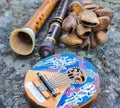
<point>22,41</point>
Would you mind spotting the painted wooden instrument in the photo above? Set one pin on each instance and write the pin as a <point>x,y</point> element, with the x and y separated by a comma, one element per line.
<point>62,81</point>
<point>22,41</point>
<point>48,46</point>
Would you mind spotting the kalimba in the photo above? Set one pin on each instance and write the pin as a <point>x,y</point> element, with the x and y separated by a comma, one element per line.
<point>62,81</point>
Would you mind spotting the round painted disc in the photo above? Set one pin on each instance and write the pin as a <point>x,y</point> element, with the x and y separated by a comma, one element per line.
<point>76,94</point>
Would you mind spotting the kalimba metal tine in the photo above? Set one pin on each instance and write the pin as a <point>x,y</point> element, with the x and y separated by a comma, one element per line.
<point>60,80</point>
<point>57,76</point>
<point>54,77</point>
<point>60,83</point>
<point>47,85</point>
<point>55,86</point>
<point>63,81</point>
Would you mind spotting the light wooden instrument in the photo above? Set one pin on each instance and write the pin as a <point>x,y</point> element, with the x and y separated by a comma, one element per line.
<point>22,41</point>
<point>70,82</point>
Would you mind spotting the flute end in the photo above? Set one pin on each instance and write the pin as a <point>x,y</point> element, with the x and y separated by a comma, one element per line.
<point>44,53</point>
<point>46,50</point>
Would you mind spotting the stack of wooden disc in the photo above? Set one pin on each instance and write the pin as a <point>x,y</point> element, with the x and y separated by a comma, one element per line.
<point>86,25</point>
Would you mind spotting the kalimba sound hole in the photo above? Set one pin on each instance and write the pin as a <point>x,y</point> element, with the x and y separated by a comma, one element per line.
<point>76,75</point>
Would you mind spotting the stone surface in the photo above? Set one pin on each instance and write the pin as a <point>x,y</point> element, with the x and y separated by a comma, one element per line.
<point>14,67</point>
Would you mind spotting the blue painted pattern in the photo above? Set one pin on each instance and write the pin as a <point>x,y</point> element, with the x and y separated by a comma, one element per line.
<point>75,94</point>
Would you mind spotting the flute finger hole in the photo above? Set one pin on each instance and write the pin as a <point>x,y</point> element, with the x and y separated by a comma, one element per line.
<point>42,15</point>
<point>47,1</point>
<point>39,18</point>
<point>37,29</point>
<point>37,23</point>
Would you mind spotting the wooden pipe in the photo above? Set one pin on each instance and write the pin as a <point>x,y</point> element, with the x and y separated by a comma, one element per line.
<point>48,46</point>
<point>22,40</point>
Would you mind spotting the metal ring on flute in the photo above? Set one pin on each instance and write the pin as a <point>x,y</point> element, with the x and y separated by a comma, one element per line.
<point>59,17</point>
<point>56,24</point>
<point>51,38</point>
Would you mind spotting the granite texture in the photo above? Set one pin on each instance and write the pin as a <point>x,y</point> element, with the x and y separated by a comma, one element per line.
<point>13,67</point>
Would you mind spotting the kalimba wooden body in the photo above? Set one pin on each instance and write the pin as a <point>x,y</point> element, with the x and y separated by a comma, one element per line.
<point>73,78</point>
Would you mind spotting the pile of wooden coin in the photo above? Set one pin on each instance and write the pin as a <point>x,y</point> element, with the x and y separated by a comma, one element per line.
<point>86,25</point>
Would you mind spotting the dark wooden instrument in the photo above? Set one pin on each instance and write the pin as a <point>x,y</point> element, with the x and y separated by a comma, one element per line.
<point>62,81</point>
<point>48,46</point>
<point>22,41</point>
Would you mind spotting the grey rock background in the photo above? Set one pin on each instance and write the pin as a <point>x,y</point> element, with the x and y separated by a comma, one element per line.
<point>14,67</point>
